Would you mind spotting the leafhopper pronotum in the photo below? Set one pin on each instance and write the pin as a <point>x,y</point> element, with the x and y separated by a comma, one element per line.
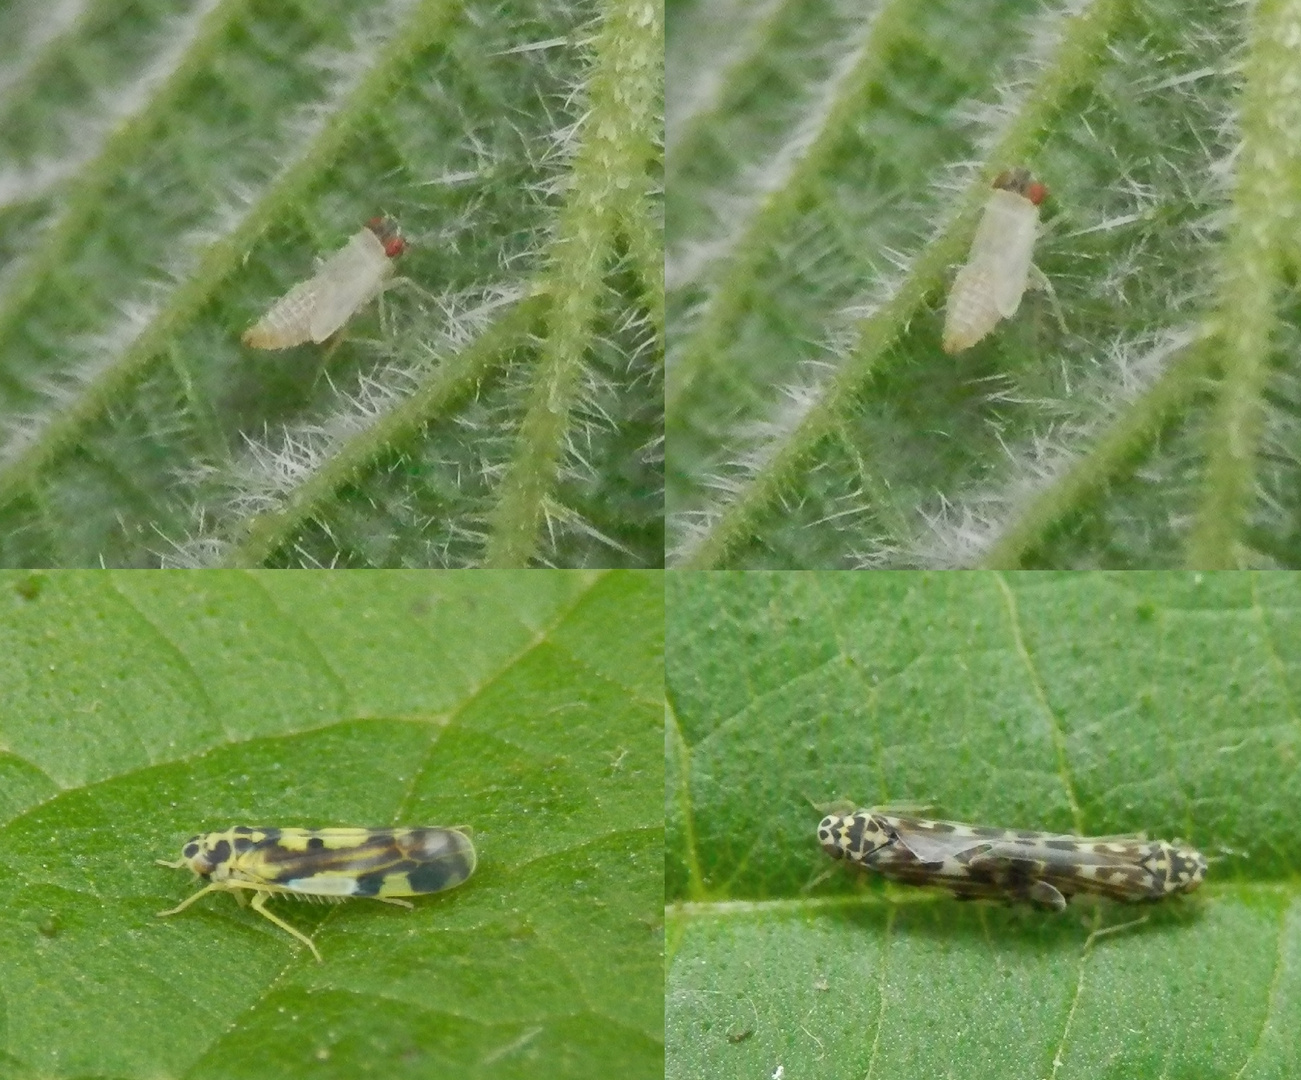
<point>1041,868</point>
<point>990,284</point>
<point>326,864</point>
<point>346,282</point>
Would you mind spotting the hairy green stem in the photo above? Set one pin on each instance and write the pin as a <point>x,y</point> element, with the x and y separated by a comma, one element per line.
<point>452,380</point>
<point>610,158</point>
<point>1267,183</point>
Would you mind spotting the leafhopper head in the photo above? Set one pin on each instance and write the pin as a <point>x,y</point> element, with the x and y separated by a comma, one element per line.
<point>205,855</point>
<point>386,232</point>
<point>828,829</point>
<point>854,836</point>
<point>1187,868</point>
<point>1021,182</point>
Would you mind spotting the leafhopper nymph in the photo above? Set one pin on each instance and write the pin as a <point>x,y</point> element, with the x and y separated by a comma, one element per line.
<point>990,284</point>
<point>345,283</point>
<point>1044,869</point>
<point>325,864</point>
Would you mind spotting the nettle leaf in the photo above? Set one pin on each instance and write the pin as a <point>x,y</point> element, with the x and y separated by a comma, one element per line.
<point>143,708</point>
<point>827,165</point>
<point>1096,704</point>
<point>168,168</point>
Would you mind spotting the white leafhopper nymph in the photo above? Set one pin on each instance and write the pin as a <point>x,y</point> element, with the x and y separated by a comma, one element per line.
<point>998,270</point>
<point>326,864</point>
<point>1044,869</point>
<point>346,282</point>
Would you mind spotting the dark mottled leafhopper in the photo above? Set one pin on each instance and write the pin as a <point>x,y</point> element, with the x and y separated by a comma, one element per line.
<point>1041,868</point>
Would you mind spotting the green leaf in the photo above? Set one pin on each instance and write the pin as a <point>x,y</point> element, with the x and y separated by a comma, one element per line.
<point>827,166</point>
<point>168,168</point>
<point>1092,704</point>
<point>143,708</point>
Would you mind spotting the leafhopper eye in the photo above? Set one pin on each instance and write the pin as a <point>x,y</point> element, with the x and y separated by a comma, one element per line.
<point>1022,182</point>
<point>386,231</point>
